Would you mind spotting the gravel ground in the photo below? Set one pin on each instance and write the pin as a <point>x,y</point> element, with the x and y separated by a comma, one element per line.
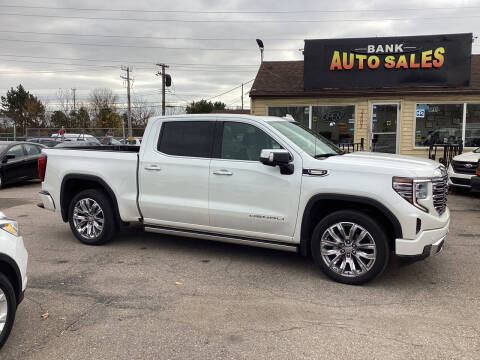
<point>147,296</point>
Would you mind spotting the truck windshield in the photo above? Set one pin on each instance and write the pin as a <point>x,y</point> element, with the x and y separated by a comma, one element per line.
<point>314,145</point>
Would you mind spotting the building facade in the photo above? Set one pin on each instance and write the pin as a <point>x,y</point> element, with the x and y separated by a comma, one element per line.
<point>402,110</point>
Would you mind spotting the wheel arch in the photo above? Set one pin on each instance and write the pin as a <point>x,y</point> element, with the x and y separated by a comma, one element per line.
<point>72,184</point>
<point>321,205</point>
<point>9,268</point>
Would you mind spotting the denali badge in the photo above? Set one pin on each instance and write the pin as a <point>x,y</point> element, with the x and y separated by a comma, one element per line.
<point>267,217</point>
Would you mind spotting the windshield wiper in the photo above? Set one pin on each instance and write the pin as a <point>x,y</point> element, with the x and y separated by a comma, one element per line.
<point>321,156</point>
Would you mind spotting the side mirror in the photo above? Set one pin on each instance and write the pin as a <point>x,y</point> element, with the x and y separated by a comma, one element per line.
<point>280,157</point>
<point>8,157</point>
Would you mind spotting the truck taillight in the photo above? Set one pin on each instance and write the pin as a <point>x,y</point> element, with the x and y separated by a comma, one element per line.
<point>42,166</point>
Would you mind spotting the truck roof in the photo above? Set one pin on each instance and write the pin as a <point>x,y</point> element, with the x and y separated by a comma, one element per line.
<point>225,117</point>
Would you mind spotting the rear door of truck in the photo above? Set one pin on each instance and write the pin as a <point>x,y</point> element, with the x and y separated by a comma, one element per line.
<point>174,173</point>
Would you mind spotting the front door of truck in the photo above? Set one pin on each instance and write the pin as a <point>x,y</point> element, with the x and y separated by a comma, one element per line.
<point>246,197</point>
<point>173,174</point>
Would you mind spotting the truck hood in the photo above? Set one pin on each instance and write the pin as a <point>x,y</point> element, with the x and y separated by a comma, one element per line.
<point>468,157</point>
<point>380,163</point>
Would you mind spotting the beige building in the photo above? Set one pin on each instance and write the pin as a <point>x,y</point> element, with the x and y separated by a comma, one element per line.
<point>402,120</point>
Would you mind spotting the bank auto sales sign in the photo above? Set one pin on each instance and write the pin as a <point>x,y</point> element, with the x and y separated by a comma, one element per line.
<point>437,60</point>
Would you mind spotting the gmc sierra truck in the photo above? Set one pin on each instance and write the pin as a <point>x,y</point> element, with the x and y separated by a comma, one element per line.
<point>261,181</point>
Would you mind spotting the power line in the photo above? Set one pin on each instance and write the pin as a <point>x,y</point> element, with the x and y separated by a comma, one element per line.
<point>146,37</point>
<point>126,61</point>
<point>423,18</point>
<point>98,67</point>
<point>139,46</point>
<point>150,37</point>
<point>240,11</point>
<point>226,92</point>
<point>16,72</point>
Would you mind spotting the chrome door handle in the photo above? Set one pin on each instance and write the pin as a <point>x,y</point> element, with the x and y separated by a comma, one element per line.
<point>152,168</point>
<point>223,172</point>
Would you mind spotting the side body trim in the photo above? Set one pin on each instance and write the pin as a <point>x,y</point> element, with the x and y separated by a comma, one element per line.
<point>222,237</point>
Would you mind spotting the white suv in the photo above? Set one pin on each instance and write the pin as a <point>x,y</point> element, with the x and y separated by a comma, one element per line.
<point>13,274</point>
<point>462,169</point>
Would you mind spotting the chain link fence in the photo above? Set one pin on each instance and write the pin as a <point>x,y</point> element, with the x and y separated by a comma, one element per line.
<point>7,137</point>
<point>96,132</point>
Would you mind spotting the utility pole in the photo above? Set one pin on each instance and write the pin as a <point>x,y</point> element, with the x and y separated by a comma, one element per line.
<point>242,96</point>
<point>162,74</point>
<point>74,90</point>
<point>129,111</point>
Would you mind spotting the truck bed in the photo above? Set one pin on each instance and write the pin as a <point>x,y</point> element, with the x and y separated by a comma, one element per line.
<point>114,165</point>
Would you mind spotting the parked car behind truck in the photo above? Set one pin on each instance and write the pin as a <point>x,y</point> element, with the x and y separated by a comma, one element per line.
<point>475,181</point>
<point>261,181</point>
<point>462,169</point>
<point>18,161</point>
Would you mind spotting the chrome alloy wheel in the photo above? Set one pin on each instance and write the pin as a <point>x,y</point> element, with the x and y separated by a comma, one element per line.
<point>88,218</point>
<point>348,249</point>
<point>3,310</point>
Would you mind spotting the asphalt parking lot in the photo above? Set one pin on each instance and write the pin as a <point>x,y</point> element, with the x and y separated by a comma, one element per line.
<point>147,296</point>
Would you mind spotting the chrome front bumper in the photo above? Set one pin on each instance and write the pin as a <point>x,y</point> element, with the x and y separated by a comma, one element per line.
<point>429,242</point>
<point>437,247</point>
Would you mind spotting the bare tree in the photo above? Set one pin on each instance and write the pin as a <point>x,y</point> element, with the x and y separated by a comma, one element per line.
<point>65,100</point>
<point>101,99</point>
<point>175,110</point>
<point>141,112</point>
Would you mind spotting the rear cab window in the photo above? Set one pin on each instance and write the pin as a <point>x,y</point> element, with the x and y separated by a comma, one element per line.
<point>187,138</point>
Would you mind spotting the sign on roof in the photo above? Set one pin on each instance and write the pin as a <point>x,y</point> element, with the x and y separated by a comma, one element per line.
<point>436,60</point>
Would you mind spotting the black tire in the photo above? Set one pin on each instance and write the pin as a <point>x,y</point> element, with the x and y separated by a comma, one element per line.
<point>9,292</point>
<point>376,236</point>
<point>109,228</point>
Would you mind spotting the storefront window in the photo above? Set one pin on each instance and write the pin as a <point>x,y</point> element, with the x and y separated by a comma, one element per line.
<point>299,113</point>
<point>438,123</point>
<point>472,126</point>
<point>336,123</point>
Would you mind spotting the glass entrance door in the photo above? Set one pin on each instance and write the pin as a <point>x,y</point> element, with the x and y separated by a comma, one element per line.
<point>384,128</point>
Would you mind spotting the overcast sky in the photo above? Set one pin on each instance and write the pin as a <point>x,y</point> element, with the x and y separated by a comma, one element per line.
<point>46,48</point>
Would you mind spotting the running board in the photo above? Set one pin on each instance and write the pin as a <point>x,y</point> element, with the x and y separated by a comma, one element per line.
<point>232,239</point>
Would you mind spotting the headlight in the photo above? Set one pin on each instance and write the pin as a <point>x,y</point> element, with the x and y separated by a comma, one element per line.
<point>11,227</point>
<point>412,190</point>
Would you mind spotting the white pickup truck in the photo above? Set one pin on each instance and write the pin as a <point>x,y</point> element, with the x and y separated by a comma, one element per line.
<point>261,181</point>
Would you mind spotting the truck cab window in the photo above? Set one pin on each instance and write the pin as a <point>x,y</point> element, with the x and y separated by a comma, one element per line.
<point>187,138</point>
<point>243,141</point>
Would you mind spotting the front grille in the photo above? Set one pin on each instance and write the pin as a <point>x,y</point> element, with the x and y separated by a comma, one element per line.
<point>464,167</point>
<point>460,181</point>
<point>440,190</point>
